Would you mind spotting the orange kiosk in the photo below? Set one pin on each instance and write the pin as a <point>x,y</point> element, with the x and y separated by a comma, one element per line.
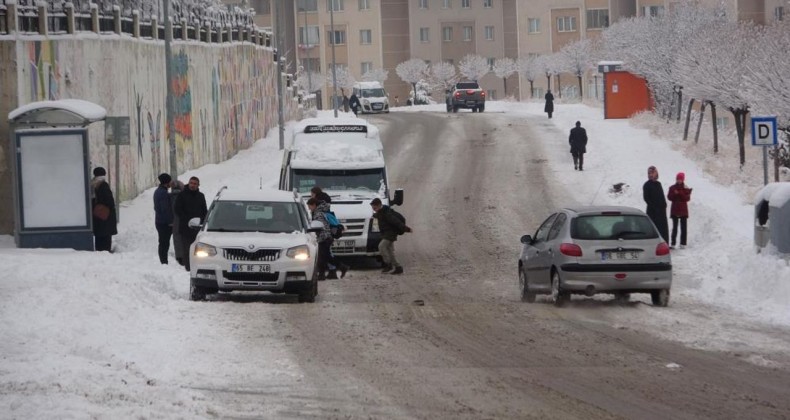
<point>625,94</point>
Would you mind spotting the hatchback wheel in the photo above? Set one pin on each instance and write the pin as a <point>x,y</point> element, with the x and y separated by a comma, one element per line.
<point>622,297</point>
<point>660,297</point>
<point>526,295</point>
<point>558,296</point>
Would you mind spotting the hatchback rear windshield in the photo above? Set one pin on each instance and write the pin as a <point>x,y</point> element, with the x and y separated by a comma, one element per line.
<point>254,216</point>
<point>467,85</point>
<point>612,227</point>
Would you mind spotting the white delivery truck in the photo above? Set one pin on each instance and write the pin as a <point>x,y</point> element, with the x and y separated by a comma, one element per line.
<point>345,157</point>
<point>372,97</point>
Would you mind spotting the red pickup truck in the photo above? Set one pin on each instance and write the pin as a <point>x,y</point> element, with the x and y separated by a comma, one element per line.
<point>466,95</point>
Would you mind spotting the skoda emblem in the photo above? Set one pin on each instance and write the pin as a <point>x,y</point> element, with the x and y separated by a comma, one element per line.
<point>250,246</point>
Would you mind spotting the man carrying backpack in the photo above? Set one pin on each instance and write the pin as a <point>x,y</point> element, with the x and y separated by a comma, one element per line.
<point>391,224</point>
<point>318,210</point>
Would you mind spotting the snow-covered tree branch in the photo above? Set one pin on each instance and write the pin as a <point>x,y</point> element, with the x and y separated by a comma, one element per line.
<point>412,71</point>
<point>503,68</point>
<point>473,67</point>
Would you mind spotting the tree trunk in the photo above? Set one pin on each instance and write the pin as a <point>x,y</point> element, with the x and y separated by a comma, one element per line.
<point>531,89</point>
<point>715,125</point>
<point>504,81</point>
<point>581,92</point>
<point>680,102</point>
<point>740,128</point>
<point>559,87</point>
<point>701,117</point>
<point>548,81</point>
<point>688,119</point>
<point>414,99</point>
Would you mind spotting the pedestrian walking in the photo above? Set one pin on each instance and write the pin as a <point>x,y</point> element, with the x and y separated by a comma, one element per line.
<point>163,216</point>
<point>354,103</point>
<point>578,142</point>
<point>549,107</point>
<point>390,226</point>
<point>190,203</point>
<point>679,194</point>
<point>325,257</point>
<point>176,187</point>
<point>653,193</point>
<point>105,220</point>
<point>332,263</point>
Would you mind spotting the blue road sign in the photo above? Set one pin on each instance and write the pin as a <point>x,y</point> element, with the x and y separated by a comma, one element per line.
<point>764,131</point>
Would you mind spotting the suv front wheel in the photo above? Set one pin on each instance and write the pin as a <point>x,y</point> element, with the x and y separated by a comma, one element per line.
<point>196,293</point>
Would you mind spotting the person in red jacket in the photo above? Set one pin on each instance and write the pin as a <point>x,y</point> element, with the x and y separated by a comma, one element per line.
<point>679,194</point>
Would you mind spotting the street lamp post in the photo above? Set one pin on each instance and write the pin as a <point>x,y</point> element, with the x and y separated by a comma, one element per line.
<point>307,47</point>
<point>170,117</point>
<point>334,64</point>
<point>279,66</point>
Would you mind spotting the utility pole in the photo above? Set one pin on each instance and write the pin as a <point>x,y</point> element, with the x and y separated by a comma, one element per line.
<point>280,59</point>
<point>169,111</point>
<point>307,47</point>
<point>334,64</point>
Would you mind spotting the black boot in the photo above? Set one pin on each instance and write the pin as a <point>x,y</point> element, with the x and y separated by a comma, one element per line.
<point>397,270</point>
<point>343,269</point>
<point>332,275</point>
<point>386,268</point>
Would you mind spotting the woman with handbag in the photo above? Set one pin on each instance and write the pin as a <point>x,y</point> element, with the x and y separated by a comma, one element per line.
<point>105,222</point>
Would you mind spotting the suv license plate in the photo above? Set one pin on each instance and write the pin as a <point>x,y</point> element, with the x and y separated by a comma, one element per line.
<point>623,255</point>
<point>343,244</point>
<point>251,268</point>
<point>471,103</point>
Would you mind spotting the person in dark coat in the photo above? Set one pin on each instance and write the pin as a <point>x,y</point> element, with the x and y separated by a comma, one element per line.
<point>325,257</point>
<point>176,187</point>
<point>549,108</point>
<point>190,203</point>
<point>332,263</point>
<point>354,103</point>
<point>578,142</point>
<point>105,220</point>
<point>653,194</point>
<point>390,227</point>
<point>163,216</point>
<point>679,195</point>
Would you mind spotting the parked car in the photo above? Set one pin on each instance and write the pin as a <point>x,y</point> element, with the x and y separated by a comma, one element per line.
<point>255,240</point>
<point>592,250</point>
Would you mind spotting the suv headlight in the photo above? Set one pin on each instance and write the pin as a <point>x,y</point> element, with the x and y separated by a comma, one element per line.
<point>301,253</point>
<point>374,225</point>
<point>204,250</point>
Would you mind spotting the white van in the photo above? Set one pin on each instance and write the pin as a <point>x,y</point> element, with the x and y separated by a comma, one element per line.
<point>372,97</point>
<point>344,157</point>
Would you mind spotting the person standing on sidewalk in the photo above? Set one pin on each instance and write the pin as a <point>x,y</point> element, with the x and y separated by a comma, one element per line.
<point>390,226</point>
<point>549,107</point>
<point>653,193</point>
<point>105,221</point>
<point>679,194</point>
<point>163,216</point>
<point>176,187</point>
<point>190,203</point>
<point>578,142</point>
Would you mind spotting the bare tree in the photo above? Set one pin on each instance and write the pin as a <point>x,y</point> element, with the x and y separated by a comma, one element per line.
<point>412,71</point>
<point>529,69</point>
<point>503,68</point>
<point>473,67</point>
<point>443,75</point>
<point>376,75</point>
<point>554,65</point>
<point>310,81</point>
<point>577,55</point>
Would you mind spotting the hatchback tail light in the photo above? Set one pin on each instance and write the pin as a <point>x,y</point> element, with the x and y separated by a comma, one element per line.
<point>571,250</point>
<point>662,249</point>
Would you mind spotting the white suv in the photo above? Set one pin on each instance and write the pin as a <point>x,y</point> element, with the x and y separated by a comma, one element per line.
<point>255,240</point>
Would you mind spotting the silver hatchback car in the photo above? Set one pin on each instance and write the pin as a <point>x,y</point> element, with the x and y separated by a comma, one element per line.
<point>591,250</point>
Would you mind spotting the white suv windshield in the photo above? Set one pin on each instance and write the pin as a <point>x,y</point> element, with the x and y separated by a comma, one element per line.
<point>338,179</point>
<point>254,216</point>
<point>373,93</point>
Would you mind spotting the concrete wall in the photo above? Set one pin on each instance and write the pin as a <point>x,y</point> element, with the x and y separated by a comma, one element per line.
<point>225,99</point>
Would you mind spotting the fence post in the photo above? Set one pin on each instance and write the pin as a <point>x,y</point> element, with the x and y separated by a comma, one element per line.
<point>116,19</point>
<point>43,13</point>
<point>184,30</point>
<point>95,17</point>
<point>70,26</point>
<point>136,23</point>
<point>154,28</point>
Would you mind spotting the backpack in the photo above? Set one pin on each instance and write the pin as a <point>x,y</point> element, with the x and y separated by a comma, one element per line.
<point>334,225</point>
<point>399,217</point>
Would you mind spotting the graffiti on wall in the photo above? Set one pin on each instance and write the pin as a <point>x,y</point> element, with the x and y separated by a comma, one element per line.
<point>44,71</point>
<point>182,109</point>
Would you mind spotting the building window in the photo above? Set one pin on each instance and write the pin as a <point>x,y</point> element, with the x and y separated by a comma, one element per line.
<point>721,122</point>
<point>311,35</point>
<point>489,33</point>
<point>423,4</point>
<point>425,35</point>
<point>779,13</point>
<point>262,7</point>
<point>307,5</point>
<point>653,11</point>
<point>465,4</point>
<point>491,61</point>
<point>597,18</point>
<point>488,4</point>
<point>334,5</point>
<point>364,4</point>
<point>447,4</point>
<point>534,25</point>
<point>311,64</point>
<point>468,33</point>
<point>365,36</point>
<point>366,67</point>
<point>339,37</point>
<point>566,24</point>
<point>447,34</point>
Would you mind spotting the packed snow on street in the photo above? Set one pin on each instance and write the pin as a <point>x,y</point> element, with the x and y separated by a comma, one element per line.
<point>114,335</point>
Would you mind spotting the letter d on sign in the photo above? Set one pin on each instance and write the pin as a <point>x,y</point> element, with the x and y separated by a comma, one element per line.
<point>763,131</point>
